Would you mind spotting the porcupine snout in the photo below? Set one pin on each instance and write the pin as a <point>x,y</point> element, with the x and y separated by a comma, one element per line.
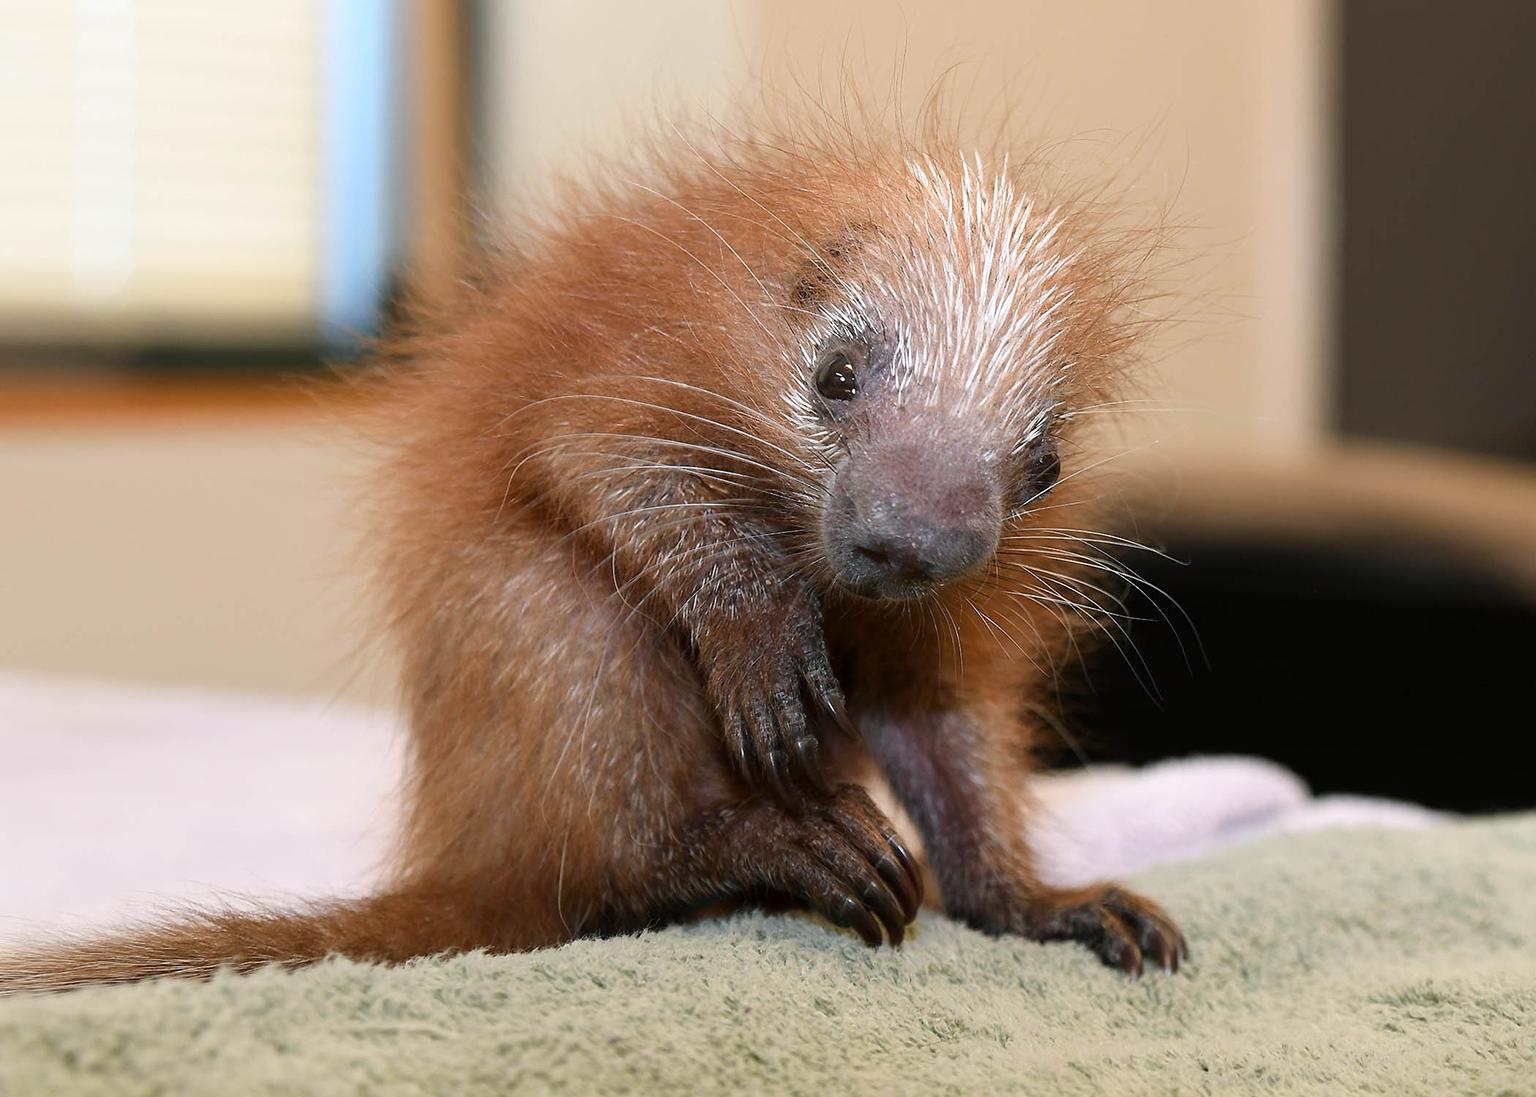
<point>906,516</point>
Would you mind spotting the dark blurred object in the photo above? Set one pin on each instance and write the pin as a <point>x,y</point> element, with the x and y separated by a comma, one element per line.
<point>1438,266</point>
<point>1352,632</point>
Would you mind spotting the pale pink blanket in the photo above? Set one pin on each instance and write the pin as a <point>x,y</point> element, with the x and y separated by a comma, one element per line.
<point>115,799</point>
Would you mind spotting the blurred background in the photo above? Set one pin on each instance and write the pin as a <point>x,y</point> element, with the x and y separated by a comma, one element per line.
<point>202,203</point>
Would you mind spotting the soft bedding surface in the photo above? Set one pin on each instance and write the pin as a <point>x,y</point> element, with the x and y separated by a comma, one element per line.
<point>1342,961</point>
<point>116,799</point>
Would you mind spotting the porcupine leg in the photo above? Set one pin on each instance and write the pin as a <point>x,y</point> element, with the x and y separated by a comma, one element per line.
<point>962,782</point>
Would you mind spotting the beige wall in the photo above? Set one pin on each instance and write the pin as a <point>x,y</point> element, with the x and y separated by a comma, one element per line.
<point>218,553</point>
<point>209,551</point>
<point>1214,109</point>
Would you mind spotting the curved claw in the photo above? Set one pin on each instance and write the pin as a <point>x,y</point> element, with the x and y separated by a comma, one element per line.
<point>833,709</point>
<point>900,882</point>
<point>1166,944</point>
<point>801,743</point>
<point>1118,945</point>
<point>850,913</point>
<point>736,737</point>
<point>909,865</point>
<point>877,897</point>
<point>808,755</point>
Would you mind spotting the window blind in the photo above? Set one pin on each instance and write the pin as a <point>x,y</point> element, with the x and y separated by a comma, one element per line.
<point>167,168</point>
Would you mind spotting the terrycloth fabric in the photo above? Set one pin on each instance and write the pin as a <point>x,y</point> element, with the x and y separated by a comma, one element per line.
<point>1351,961</point>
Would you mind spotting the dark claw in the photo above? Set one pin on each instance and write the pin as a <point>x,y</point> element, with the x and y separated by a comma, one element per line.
<point>1116,950</point>
<point>832,708</point>
<point>877,897</point>
<point>737,735</point>
<point>849,913</point>
<point>909,865</point>
<point>900,883</point>
<point>1161,950</point>
<point>1117,945</point>
<point>808,755</point>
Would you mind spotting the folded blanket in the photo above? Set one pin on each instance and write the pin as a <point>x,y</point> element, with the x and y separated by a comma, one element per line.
<point>1345,961</point>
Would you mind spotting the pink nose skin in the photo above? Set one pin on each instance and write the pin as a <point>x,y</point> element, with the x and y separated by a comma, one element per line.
<point>904,518</point>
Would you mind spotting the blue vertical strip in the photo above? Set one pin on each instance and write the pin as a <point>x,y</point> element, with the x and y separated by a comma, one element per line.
<point>360,59</point>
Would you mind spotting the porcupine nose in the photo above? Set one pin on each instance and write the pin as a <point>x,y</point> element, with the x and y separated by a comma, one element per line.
<point>907,517</point>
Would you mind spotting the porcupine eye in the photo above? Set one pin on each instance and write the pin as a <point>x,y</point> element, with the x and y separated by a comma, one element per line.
<point>835,376</point>
<point>1042,468</point>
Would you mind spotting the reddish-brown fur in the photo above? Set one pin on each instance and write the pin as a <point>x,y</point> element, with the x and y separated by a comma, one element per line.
<point>583,617</point>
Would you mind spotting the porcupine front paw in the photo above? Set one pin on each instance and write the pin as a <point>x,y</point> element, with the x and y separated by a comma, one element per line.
<point>771,686</point>
<point>1121,927</point>
<point>841,858</point>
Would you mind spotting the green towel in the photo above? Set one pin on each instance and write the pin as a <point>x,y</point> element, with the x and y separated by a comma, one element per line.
<point>1391,962</point>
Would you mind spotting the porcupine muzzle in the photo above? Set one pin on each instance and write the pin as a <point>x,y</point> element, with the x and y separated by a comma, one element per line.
<point>906,516</point>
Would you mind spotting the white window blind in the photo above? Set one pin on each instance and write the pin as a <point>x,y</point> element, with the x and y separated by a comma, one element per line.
<point>161,169</point>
